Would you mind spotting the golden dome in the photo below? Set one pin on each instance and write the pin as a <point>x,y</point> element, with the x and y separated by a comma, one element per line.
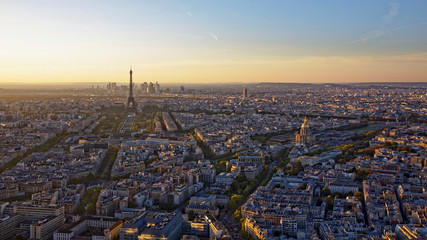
<point>305,124</point>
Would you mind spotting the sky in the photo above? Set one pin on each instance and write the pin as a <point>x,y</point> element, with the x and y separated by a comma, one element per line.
<point>213,41</point>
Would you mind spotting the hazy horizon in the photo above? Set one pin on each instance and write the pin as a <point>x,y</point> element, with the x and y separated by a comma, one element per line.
<point>214,42</point>
<point>85,85</point>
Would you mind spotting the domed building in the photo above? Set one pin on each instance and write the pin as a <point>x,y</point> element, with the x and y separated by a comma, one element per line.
<point>304,136</point>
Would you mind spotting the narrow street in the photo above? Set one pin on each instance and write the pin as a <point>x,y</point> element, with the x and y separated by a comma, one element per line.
<point>228,219</point>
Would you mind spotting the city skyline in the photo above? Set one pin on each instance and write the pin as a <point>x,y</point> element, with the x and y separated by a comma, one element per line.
<point>213,42</point>
<point>227,120</point>
<point>250,161</point>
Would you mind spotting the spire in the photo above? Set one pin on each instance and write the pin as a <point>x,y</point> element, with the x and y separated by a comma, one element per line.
<point>131,100</point>
<point>305,119</point>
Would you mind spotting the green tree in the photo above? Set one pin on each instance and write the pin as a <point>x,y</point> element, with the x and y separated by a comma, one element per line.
<point>237,215</point>
<point>362,174</point>
<point>245,235</point>
<point>20,237</point>
<point>325,192</point>
<point>329,203</point>
<point>359,195</point>
<point>241,178</point>
<point>132,204</point>
<point>234,201</point>
<point>319,201</point>
<point>191,215</point>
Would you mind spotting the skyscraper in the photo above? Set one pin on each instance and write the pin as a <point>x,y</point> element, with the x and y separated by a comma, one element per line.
<point>144,87</point>
<point>157,88</point>
<point>151,89</point>
<point>245,92</point>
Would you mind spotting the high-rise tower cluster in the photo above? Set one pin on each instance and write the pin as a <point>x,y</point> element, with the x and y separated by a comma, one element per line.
<point>150,88</point>
<point>111,87</point>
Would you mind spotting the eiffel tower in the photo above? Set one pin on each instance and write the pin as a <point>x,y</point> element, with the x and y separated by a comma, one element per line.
<point>131,105</point>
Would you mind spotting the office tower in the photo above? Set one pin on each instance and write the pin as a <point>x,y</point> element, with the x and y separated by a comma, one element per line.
<point>144,87</point>
<point>245,92</point>
<point>157,88</point>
